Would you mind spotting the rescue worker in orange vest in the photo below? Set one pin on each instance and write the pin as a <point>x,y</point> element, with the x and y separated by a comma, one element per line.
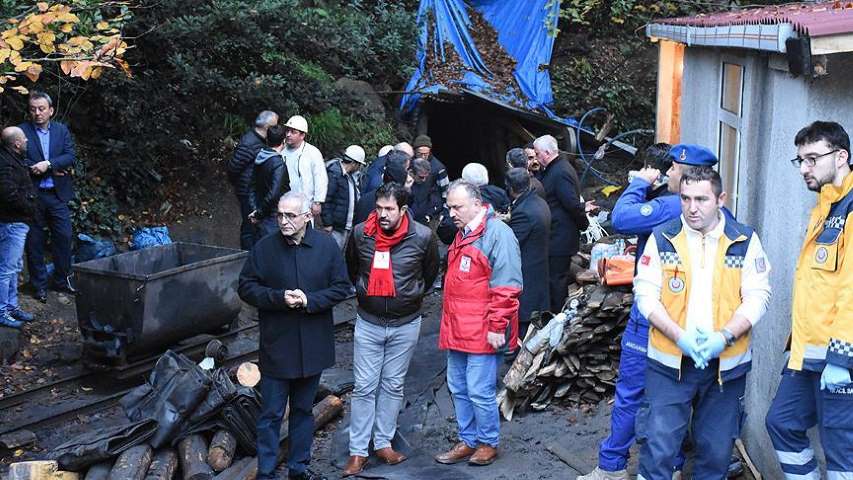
<point>816,387</point>
<point>702,282</point>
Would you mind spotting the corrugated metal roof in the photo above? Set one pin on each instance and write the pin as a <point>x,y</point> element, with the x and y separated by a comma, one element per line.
<point>812,19</point>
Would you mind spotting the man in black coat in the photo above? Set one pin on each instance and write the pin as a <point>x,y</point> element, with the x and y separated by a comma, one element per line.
<point>530,220</point>
<point>342,194</point>
<point>294,279</point>
<point>17,210</point>
<point>269,181</point>
<point>239,169</point>
<point>51,158</point>
<point>568,215</point>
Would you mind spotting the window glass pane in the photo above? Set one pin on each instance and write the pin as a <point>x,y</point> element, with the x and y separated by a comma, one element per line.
<point>732,83</point>
<point>728,153</point>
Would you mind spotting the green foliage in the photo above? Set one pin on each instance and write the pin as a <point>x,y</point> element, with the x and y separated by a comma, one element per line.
<point>203,69</point>
<point>338,130</point>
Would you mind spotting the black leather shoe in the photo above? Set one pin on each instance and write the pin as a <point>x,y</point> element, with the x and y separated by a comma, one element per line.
<point>306,475</point>
<point>40,295</point>
<point>63,286</point>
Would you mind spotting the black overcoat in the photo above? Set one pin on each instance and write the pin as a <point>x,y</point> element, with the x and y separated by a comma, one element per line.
<point>530,220</point>
<point>295,343</point>
<point>568,215</point>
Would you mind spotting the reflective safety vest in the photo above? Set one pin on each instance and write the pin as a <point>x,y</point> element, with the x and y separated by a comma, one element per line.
<point>674,254</point>
<point>822,309</point>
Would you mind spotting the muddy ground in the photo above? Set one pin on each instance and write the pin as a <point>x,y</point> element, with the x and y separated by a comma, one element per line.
<point>50,351</point>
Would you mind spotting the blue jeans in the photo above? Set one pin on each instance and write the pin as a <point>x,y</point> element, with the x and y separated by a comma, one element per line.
<point>630,391</point>
<point>52,213</point>
<point>662,422</point>
<point>300,425</point>
<point>12,239</point>
<point>799,405</point>
<point>472,379</point>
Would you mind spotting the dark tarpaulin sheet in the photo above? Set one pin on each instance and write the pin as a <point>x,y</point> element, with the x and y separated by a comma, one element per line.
<point>523,28</point>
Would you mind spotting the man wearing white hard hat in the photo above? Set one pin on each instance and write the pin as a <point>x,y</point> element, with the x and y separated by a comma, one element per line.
<point>342,194</point>
<point>304,164</point>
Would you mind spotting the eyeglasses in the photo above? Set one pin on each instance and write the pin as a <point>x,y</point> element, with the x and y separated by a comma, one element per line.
<point>810,161</point>
<point>290,217</point>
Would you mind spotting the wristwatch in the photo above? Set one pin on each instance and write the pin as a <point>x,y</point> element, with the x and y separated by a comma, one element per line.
<point>729,336</point>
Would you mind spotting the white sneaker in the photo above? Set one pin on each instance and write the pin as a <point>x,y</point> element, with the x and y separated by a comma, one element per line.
<point>599,474</point>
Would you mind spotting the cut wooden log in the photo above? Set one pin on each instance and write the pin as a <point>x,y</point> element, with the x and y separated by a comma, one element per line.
<point>192,454</point>
<point>221,451</point>
<point>99,471</point>
<point>132,464</point>
<point>163,466</point>
<point>244,469</point>
<point>40,470</point>
<point>248,374</point>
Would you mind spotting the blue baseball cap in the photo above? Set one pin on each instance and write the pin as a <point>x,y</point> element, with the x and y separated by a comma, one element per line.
<point>693,155</point>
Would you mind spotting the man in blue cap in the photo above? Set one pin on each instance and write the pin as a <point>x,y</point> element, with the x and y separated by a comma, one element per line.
<point>642,207</point>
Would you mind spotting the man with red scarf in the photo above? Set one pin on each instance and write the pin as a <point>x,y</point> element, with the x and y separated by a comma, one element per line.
<point>479,320</point>
<point>392,261</point>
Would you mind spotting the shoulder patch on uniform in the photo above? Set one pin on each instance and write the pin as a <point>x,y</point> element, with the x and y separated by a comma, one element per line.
<point>646,210</point>
<point>644,260</point>
<point>760,265</point>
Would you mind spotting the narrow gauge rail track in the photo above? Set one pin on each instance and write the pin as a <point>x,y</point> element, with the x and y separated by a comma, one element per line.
<point>128,375</point>
<point>67,410</point>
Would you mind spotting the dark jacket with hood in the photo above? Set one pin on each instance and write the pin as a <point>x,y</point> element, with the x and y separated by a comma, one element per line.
<point>414,263</point>
<point>337,206</point>
<point>270,180</point>
<point>17,192</point>
<point>239,166</point>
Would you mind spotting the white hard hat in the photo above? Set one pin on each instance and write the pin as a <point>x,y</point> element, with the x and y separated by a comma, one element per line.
<point>387,148</point>
<point>297,122</point>
<point>355,153</point>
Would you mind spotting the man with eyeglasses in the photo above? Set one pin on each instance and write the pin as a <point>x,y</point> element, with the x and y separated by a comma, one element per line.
<point>816,388</point>
<point>294,279</point>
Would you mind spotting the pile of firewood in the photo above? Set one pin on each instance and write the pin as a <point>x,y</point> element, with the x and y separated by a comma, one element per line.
<point>200,456</point>
<point>570,358</point>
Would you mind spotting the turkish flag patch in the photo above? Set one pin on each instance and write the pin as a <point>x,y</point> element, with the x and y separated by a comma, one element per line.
<point>645,260</point>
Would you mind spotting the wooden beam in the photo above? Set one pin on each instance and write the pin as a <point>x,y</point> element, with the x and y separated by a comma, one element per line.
<point>670,68</point>
<point>832,44</point>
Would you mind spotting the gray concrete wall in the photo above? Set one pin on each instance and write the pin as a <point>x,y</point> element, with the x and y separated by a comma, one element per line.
<point>772,196</point>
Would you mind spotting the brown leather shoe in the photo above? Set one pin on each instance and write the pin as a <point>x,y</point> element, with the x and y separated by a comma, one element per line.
<point>484,455</point>
<point>354,466</point>
<point>389,456</point>
<point>459,453</point>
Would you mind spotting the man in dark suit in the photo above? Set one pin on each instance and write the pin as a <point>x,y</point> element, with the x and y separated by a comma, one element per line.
<point>294,277</point>
<point>530,220</point>
<point>51,159</point>
<point>568,215</point>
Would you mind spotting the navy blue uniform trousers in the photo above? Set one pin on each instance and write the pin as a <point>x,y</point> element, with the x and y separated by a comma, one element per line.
<point>54,214</point>
<point>717,414</point>
<point>275,393</point>
<point>799,405</point>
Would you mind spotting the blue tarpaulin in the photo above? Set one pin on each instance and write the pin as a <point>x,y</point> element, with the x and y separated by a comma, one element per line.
<point>525,30</point>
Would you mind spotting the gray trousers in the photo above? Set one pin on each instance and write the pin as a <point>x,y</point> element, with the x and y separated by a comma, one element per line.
<point>381,357</point>
<point>341,238</point>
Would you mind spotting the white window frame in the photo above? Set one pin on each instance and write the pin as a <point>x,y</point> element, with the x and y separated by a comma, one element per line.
<point>735,121</point>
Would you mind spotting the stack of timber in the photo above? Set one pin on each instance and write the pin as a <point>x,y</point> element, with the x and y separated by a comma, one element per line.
<point>571,358</point>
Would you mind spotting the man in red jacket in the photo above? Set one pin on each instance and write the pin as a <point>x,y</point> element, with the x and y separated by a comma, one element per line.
<point>479,320</point>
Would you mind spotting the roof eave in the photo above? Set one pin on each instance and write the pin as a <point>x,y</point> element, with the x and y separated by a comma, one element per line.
<point>765,37</point>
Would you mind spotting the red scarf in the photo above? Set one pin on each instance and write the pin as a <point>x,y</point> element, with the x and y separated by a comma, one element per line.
<point>381,280</point>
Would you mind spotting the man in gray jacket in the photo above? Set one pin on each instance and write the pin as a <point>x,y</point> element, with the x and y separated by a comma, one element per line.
<point>392,261</point>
